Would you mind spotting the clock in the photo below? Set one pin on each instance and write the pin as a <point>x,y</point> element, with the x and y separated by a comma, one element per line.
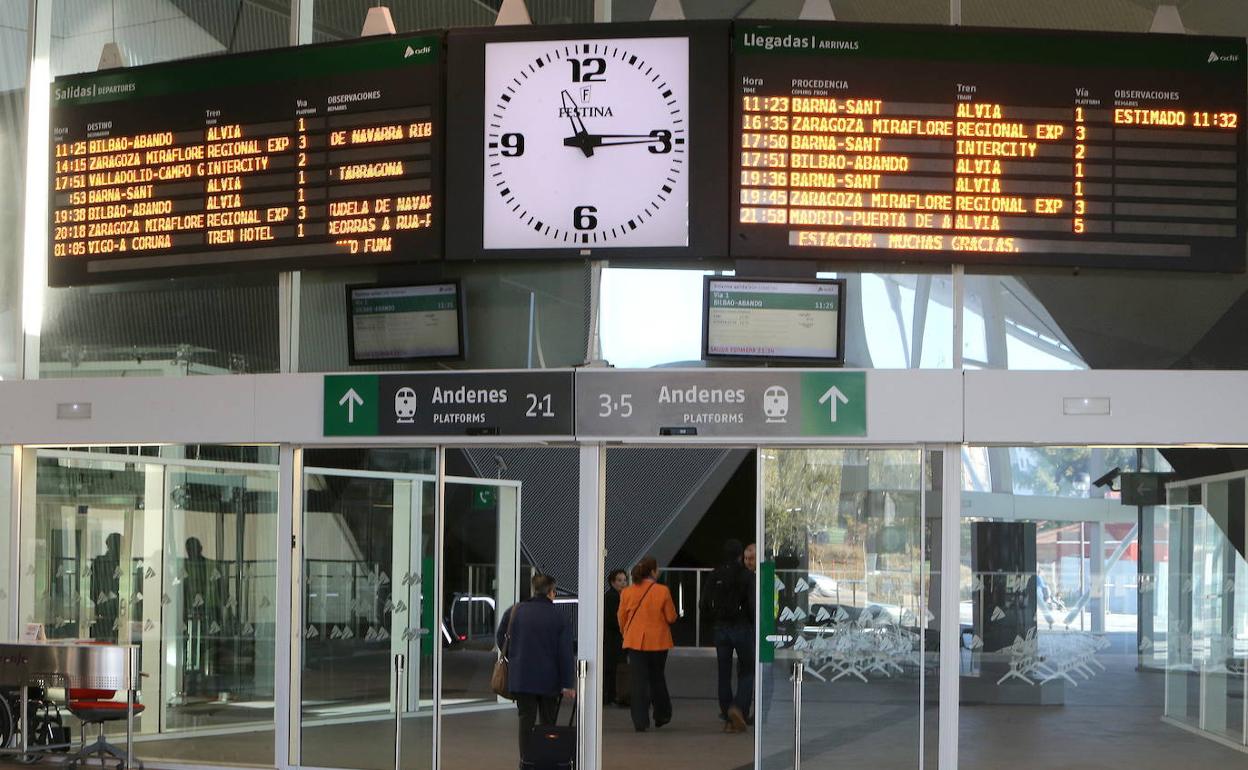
<point>586,144</point>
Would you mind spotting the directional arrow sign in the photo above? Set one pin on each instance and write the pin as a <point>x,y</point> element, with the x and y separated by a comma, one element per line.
<point>834,403</point>
<point>831,396</point>
<point>351,398</point>
<point>351,403</point>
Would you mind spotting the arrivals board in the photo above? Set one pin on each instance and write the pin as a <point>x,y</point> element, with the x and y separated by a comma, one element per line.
<point>303,157</point>
<point>892,143</point>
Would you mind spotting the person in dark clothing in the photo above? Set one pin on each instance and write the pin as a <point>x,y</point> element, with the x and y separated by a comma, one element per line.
<point>729,600</point>
<point>539,650</point>
<point>105,585</point>
<point>612,637</point>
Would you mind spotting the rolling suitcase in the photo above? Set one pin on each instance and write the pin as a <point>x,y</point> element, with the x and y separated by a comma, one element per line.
<point>551,747</point>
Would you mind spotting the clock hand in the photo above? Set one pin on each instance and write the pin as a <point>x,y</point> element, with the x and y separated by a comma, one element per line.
<point>578,126</point>
<point>611,140</point>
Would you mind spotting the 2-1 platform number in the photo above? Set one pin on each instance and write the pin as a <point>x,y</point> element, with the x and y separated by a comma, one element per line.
<point>539,406</point>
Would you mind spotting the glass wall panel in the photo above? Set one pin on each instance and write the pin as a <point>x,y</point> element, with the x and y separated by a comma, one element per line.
<point>227,324</point>
<point>1208,634</point>
<point>653,317</point>
<point>14,67</point>
<point>1199,17</point>
<point>343,19</point>
<point>368,574</point>
<point>510,512</point>
<point>518,315</point>
<point>912,12</point>
<point>173,549</point>
<point>843,602</point>
<point>1065,653</point>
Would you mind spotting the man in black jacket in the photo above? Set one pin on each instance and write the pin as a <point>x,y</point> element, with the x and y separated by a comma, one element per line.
<point>729,601</point>
<point>539,652</point>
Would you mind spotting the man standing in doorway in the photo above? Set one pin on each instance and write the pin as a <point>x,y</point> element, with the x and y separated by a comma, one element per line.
<point>728,601</point>
<point>539,652</point>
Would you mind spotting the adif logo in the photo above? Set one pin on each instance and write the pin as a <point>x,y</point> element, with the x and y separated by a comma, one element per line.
<point>1230,57</point>
<point>788,614</point>
<point>998,614</point>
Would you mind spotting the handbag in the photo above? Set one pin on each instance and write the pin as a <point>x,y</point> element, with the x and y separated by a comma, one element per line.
<point>499,677</point>
<point>623,682</point>
<point>623,669</point>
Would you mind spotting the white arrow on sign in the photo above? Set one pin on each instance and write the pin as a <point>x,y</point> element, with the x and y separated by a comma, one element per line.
<point>832,395</point>
<point>351,398</point>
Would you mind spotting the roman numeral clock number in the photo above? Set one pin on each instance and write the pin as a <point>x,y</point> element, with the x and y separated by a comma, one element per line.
<point>586,144</point>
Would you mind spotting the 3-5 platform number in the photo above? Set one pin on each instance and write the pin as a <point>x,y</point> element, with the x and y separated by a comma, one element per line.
<point>608,406</point>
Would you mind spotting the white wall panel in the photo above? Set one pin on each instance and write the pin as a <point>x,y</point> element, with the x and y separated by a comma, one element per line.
<point>1146,407</point>
<point>124,410</point>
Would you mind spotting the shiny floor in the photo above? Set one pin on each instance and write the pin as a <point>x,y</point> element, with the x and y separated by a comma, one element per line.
<point>1112,721</point>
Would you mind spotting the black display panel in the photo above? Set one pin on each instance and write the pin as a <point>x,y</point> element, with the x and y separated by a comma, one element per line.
<point>885,142</point>
<point>773,320</point>
<point>405,323</point>
<point>303,157</point>
<point>588,141</point>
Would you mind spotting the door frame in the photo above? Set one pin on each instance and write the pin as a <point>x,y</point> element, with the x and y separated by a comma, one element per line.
<point>438,477</point>
<point>924,451</point>
<point>592,567</point>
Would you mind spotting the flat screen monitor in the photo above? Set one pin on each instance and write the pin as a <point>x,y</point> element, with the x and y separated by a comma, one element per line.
<point>773,320</point>
<point>414,322</point>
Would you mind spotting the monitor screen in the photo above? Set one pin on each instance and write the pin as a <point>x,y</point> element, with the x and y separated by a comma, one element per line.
<point>780,320</point>
<point>405,323</point>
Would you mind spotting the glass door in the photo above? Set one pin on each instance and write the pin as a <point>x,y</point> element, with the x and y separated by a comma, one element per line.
<point>368,555</point>
<point>491,499</point>
<point>843,608</point>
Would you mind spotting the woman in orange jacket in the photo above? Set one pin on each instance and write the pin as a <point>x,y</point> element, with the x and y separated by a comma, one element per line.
<point>646,614</point>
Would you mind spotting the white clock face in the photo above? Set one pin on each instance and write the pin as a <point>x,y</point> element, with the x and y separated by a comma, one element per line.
<point>586,144</point>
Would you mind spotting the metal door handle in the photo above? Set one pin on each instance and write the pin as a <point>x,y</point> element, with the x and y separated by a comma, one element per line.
<point>799,673</point>
<point>400,691</point>
<point>582,676</point>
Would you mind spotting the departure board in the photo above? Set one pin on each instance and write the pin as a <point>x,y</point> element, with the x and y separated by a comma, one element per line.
<point>873,143</point>
<point>303,157</point>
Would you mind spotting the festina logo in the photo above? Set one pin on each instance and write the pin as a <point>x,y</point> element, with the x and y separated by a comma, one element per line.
<point>585,112</point>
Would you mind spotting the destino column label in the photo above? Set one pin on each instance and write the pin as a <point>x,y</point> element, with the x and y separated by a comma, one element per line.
<point>728,403</point>
<point>460,404</point>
